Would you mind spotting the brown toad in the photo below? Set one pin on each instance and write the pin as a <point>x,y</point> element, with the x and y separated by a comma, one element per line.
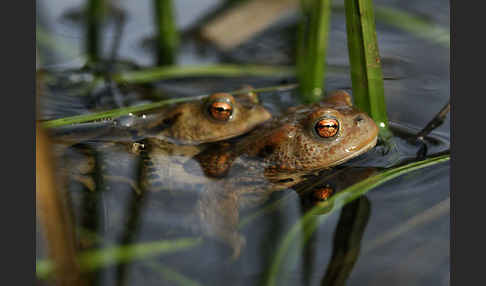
<point>278,155</point>
<point>178,132</point>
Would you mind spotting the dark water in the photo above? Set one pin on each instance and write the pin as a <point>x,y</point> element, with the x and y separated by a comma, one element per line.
<point>404,237</point>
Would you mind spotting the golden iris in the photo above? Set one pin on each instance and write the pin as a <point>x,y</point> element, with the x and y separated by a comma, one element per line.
<point>221,111</point>
<point>327,127</point>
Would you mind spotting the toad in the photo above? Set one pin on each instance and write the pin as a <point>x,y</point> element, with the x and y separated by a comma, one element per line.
<point>280,154</point>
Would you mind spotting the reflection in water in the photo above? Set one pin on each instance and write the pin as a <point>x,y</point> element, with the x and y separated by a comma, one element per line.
<point>347,242</point>
<point>133,212</point>
<point>309,250</point>
<point>94,212</point>
<point>315,213</point>
<point>351,219</point>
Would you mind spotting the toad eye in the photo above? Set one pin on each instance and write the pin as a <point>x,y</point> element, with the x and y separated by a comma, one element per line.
<point>220,111</point>
<point>327,127</point>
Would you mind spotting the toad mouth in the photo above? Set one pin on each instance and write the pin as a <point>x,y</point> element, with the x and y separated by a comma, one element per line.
<point>361,150</point>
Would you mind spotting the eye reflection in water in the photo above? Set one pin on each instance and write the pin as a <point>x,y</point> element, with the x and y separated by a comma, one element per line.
<point>349,230</point>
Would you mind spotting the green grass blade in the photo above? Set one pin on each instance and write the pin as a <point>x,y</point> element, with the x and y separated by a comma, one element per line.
<point>91,260</point>
<point>110,114</point>
<point>312,46</point>
<point>364,57</point>
<point>224,70</point>
<point>337,201</point>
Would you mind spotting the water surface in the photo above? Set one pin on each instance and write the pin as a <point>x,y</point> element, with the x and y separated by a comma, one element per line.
<point>406,237</point>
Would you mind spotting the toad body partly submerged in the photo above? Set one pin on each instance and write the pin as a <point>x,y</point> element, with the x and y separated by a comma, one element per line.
<point>178,132</point>
<point>218,117</point>
<point>278,155</point>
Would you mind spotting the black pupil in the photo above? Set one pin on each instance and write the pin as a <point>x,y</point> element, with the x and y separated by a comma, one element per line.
<point>220,109</point>
<point>328,126</point>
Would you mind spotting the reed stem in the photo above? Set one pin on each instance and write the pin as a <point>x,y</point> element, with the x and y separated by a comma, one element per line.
<point>364,57</point>
<point>311,49</point>
<point>94,16</point>
<point>167,35</point>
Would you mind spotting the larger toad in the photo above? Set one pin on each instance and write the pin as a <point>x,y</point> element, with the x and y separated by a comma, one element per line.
<point>278,155</point>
